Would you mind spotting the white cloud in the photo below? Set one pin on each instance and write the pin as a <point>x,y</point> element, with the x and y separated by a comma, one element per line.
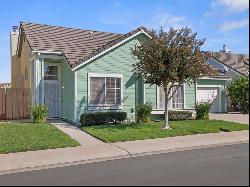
<point>117,4</point>
<point>232,5</point>
<point>167,20</point>
<point>232,25</point>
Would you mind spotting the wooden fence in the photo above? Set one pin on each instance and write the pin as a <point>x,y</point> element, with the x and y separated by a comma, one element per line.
<point>14,103</point>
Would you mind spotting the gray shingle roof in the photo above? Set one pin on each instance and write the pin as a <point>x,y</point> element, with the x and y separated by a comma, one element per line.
<point>77,45</point>
<point>238,62</point>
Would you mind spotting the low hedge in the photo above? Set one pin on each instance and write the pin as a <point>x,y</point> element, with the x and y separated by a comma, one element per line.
<point>180,115</point>
<point>102,118</point>
<point>174,115</point>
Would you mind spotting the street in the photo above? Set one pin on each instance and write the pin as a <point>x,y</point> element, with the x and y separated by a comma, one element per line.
<point>223,165</point>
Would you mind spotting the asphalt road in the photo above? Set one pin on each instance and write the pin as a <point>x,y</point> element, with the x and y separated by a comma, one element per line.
<point>224,165</point>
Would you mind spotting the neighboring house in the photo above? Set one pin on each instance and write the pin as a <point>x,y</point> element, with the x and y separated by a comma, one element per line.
<point>74,71</point>
<point>5,85</point>
<point>233,65</point>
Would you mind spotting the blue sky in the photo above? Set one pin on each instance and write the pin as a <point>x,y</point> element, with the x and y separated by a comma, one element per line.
<point>219,21</point>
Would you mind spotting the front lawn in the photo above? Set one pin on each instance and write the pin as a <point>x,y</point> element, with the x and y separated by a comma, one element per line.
<point>20,137</point>
<point>130,132</point>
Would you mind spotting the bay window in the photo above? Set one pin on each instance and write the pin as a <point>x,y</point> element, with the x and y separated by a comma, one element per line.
<point>105,90</point>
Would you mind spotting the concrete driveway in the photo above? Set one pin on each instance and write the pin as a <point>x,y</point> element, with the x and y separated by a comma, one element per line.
<point>233,117</point>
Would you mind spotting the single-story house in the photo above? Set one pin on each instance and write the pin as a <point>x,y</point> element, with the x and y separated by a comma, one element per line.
<point>232,64</point>
<point>74,71</point>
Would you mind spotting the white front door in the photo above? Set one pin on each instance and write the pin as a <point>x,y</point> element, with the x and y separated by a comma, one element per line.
<point>52,89</point>
<point>205,94</point>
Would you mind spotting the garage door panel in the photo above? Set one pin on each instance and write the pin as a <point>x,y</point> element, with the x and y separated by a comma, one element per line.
<point>205,94</point>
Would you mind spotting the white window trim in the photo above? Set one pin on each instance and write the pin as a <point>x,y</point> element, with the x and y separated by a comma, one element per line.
<point>59,71</point>
<point>105,106</point>
<point>171,100</point>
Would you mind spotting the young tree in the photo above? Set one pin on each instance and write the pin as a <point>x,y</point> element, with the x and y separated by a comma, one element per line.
<point>169,59</point>
<point>239,93</point>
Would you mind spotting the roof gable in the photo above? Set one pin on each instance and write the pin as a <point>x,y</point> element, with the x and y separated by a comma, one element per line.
<point>77,45</point>
<point>237,62</point>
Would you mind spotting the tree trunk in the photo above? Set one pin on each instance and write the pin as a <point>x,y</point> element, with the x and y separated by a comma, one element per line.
<point>166,124</point>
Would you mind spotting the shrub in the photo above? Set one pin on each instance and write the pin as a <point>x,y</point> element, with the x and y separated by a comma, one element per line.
<point>143,112</point>
<point>102,118</point>
<point>180,115</point>
<point>202,110</point>
<point>239,93</point>
<point>39,113</point>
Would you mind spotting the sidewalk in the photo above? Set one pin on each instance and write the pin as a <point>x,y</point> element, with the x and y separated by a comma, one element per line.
<point>98,151</point>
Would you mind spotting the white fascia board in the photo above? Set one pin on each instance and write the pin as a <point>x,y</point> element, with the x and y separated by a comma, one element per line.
<point>51,52</point>
<point>111,48</point>
<point>210,78</point>
<point>47,52</point>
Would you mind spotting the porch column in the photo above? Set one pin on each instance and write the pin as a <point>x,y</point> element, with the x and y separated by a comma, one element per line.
<point>39,83</point>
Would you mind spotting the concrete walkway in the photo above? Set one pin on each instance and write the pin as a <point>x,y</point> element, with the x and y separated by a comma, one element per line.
<point>77,134</point>
<point>233,117</point>
<point>95,150</point>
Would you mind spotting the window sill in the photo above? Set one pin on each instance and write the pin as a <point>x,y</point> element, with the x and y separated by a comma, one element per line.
<point>105,107</point>
<point>162,111</point>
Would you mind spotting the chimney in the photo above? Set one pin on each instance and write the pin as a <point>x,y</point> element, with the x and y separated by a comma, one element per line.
<point>13,40</point>
<point>225,50</point>
<point>15,29</point>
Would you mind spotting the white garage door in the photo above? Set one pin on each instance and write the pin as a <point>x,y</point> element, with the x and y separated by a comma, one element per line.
<point>205,94</point>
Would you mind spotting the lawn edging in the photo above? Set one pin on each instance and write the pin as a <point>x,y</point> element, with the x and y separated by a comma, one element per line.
<point>153,130</point>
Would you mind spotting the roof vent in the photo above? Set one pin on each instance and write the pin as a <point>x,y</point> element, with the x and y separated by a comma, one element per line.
<point>15,28</point>
<point>91,33</point>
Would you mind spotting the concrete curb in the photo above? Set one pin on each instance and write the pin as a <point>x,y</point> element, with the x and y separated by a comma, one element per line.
<point>65,164</point>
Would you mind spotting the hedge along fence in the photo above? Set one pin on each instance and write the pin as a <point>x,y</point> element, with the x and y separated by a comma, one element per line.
<point>102,118</point>
<point>174,115</point>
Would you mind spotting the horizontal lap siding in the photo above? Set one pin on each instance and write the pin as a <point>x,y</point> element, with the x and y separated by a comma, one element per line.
<point>150,95</point>
<point>117,61</point>
<point>189,96</point>
<point>67,93</point>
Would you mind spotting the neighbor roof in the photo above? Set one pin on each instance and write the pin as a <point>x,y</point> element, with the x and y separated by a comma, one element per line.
<point>238,62</point>
<point>77,45</point>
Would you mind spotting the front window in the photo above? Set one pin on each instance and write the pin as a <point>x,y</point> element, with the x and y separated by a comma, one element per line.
<point>50,72</point>
<point>105,91</point>
<point>176,102</point>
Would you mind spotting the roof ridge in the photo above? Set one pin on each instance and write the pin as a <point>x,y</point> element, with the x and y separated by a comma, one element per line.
<point>23,22</point>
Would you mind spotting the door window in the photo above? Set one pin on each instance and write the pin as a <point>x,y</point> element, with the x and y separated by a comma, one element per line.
<point>50,72</point>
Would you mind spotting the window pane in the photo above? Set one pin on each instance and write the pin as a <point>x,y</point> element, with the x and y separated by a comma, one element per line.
<point>118,96</point>
<point>178,98</point>
<point>97,90</point>
<point>50,72</point>
<point>110,82</point>
<point>118,83</point>
<point>161,96</point>
<point>110,96</point>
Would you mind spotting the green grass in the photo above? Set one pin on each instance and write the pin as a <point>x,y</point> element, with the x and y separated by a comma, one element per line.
<point>21,137</point>
<point>130,132</point>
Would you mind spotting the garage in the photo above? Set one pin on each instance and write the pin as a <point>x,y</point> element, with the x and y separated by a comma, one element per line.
<point>205,94</point>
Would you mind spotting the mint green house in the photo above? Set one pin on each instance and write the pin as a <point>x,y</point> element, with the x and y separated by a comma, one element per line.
<point>74,71</point>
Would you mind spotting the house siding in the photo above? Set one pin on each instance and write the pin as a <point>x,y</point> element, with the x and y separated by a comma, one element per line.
<point>151,94</point>
<point>67,93</point>
<point>190,96</point>
<point>117,61</point>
